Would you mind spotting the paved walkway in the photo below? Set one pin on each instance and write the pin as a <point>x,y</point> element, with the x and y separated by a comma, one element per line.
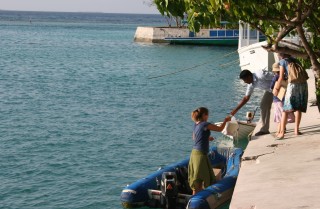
<point>282,174</point>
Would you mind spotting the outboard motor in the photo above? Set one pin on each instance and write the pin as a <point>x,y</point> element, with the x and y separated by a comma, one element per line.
<point>169,190</point>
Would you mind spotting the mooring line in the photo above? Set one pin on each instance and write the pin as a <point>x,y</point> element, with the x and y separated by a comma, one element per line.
<point>195,66</point>
<point>230,63</point>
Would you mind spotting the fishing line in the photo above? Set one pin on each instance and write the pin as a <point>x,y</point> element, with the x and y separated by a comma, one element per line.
<point>192,67</point>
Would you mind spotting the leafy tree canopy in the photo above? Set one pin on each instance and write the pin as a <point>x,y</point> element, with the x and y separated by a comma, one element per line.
<point>274,18</point>
<point>171,8</point>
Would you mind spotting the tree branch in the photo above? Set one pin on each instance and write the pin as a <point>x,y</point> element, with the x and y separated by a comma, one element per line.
<point>299,11</point>
<point>283,33</point>
<point>309,50</point>
<point>298,20</point>
<point>286,50</point>
<point>291,43</point>
<point>315,25</point>
<point>303,16</point>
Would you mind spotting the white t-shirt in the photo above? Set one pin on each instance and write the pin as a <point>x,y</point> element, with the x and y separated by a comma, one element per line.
<point>261,80</point>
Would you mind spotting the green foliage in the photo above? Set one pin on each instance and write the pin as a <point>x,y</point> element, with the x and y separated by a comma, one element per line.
<point>306,64</point>
<point>205,13</point>
<point>318,88</point>
<point>266,15</point>
<point>171,8</point>
<point>275,19</point>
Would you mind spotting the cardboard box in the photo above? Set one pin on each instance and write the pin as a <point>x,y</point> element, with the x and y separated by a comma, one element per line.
<point>282,93</point>
<point>218,174</point>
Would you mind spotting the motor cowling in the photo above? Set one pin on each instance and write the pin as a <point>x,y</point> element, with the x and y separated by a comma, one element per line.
<point>169,184</point>
<point>169,189</point>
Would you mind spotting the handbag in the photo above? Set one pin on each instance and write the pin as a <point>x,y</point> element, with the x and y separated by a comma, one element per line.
<point>296,73</point>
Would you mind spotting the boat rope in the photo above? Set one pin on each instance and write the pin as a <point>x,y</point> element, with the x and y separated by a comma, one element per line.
<point>193,67</point>
<point>230,63</point>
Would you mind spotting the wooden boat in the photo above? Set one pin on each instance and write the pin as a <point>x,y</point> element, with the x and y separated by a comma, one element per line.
<point>245,129</point>
<point>169,188</point>
<point>242,130</point>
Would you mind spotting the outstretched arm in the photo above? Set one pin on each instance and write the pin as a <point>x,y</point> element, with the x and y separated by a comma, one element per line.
<point>244,100</point>
<point>216,128</point>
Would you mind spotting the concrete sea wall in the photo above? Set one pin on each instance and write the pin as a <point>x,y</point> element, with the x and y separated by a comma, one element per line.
<point>158,34</point>
<point>282,174</point>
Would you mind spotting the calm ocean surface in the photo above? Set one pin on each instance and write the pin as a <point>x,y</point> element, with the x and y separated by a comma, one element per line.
<point>80,117</point>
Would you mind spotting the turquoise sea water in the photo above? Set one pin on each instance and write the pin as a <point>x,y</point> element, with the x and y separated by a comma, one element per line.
<point>80,117</point>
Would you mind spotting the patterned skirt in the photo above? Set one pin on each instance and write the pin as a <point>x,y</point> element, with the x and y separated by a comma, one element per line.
<point>296,97</point>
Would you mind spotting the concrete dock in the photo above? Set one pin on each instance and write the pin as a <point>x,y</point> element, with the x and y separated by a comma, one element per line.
<point>282,174</point>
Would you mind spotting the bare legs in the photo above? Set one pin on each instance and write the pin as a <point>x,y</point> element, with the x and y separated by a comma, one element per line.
<point>284,119</point>
<point>283,123</point>
<point>298,115</point>
<point>197,188</point>
<point>278,128</point>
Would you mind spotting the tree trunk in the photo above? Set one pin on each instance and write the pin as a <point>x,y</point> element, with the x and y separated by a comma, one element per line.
<point>313,59</point>
<point>318,100</point>
<point>312,55</point>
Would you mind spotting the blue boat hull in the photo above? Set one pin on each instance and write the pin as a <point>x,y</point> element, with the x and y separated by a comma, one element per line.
<point>145,192</point>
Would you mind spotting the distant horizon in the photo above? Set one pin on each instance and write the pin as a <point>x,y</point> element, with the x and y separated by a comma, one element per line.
<point>88,6</point>
<point>8,10</point>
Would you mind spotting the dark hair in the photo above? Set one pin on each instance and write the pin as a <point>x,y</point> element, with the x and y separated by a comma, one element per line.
<point>197,115</point>
<point>283,55</point>
<point>245,74</point>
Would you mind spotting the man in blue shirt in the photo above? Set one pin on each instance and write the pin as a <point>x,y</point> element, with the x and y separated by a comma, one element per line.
<point>260,79</point>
